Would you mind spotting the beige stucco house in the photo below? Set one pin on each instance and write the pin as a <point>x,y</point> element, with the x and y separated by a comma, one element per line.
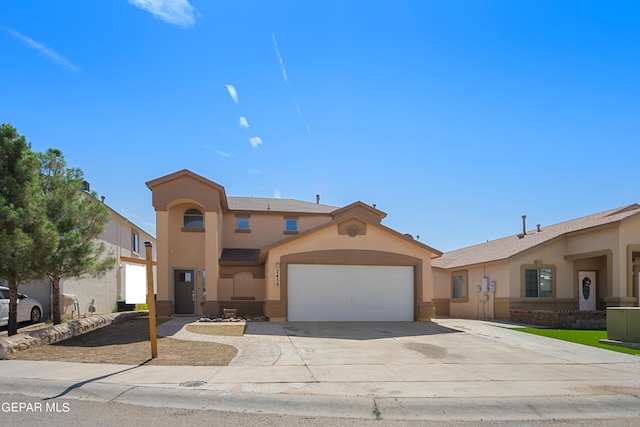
<point>585,264</point>
<point>88,295</point>
<point>287,259</point>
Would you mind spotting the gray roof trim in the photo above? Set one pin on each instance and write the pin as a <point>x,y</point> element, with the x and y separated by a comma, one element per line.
<point>265,204</point>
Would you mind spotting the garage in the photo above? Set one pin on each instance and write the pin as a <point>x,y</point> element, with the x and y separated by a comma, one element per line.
<point>319,292</point>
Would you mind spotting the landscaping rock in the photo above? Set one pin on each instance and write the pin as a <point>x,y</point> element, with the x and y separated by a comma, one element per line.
<point>222,318</point>
<point>55,333</point>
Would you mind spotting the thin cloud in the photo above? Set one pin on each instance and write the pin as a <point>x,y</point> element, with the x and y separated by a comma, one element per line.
<point>255,141</point>
<point>253,171</point>
<point>284,70</point>
<point>176,12</point>
<point>285,76</point>
<point>215,150</point>
<point>244,123</point>
<point>44,51</point>
<point>277,194</point>
<point>233,93</point>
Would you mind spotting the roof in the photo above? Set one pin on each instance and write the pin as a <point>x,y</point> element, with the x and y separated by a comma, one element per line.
<point>507,247</point>
<point>240,256</point>
<point>264,204</point>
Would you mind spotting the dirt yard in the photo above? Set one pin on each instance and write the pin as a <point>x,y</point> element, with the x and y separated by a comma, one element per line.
<point>128,343</point>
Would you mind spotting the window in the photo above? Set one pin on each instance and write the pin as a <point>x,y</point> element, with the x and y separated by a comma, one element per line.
<point>459,286</point>
<point>538,282</point>
<point>244,226</point>
<point>193,219</point>
<point>291,225</point>
<point>135,242</point>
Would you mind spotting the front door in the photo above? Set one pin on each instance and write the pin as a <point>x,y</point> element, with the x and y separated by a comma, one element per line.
<point>587,290</point>
<point>184,291</point>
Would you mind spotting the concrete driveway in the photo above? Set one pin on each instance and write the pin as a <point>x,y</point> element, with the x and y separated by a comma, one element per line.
<point>444,358</point>
<point>443,370</point>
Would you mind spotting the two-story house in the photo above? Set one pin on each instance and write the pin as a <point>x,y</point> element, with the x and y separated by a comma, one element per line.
<point>286,259</point>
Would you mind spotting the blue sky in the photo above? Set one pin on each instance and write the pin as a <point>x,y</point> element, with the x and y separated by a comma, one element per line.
<point>454,117</point>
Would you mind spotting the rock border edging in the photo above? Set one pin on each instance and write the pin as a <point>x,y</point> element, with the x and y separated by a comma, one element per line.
<point>63,331</point>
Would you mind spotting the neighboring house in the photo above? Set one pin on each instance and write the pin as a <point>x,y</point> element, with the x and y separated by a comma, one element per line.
<point>122,238</point>
<point>586,263</point>
<point>287,259</point>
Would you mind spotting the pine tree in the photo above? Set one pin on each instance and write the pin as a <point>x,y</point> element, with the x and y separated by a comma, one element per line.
<point>27,238</point>
<point>79,218</point>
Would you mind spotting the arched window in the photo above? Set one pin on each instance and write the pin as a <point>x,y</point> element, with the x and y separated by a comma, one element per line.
<point>193,219</point>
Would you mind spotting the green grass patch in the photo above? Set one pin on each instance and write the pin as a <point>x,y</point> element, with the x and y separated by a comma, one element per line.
<point>141,307</point>
<point>586,337</point>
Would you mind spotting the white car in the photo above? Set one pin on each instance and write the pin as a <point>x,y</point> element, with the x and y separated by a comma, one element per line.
<point>29,310</point>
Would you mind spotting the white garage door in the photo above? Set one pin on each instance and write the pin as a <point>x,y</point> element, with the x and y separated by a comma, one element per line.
<point>349,293</point>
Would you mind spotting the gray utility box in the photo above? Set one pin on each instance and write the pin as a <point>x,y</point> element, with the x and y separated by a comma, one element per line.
<point>623,324</point>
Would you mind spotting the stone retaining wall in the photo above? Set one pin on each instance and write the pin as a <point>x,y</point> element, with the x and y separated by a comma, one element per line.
<point>560,319</point>
<point>53,334</point>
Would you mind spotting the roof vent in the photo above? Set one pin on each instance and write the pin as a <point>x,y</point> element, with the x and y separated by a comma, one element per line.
<point>317,199</point>
<point>86,186</point>
<point>524,225</point>
<point>102,197</point>
<point>538,226</point>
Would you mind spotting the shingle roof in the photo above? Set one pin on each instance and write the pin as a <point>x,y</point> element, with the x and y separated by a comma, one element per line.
<point>263,204</point>
<point>508,246</point>
<point>240,255</point>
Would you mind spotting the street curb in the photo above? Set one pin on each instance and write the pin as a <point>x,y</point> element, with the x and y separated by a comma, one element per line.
<point>55,333</point>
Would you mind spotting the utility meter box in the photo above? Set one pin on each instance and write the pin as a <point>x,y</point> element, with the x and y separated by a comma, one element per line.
<point>485,284</point>
<point>492,287</point>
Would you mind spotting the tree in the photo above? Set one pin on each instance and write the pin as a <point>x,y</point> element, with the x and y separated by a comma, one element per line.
<point>27,238</point>
<point>79,218</point>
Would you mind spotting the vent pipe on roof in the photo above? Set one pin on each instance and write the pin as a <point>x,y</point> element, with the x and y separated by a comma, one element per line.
<point>318,199</point>
<point>524,224</point>
<point>539,230</point>
<point>102,197</point>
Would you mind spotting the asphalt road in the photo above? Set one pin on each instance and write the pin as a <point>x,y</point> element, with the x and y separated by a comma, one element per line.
<point>19,410</point>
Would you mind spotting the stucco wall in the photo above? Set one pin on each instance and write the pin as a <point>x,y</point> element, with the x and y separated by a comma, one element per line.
<point>476,305</point>
<point>266,228</point>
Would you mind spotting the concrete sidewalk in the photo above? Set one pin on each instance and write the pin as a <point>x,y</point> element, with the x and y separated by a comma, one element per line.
<point>399,369</point>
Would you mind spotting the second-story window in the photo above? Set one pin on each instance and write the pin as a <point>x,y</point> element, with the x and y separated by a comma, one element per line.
<point>193,219</point>
<point>135,242</point>
<point>244,225</point>
<point>291,225</point>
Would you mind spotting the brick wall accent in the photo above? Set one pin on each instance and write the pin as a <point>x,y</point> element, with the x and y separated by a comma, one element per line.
<point>560,319</point>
